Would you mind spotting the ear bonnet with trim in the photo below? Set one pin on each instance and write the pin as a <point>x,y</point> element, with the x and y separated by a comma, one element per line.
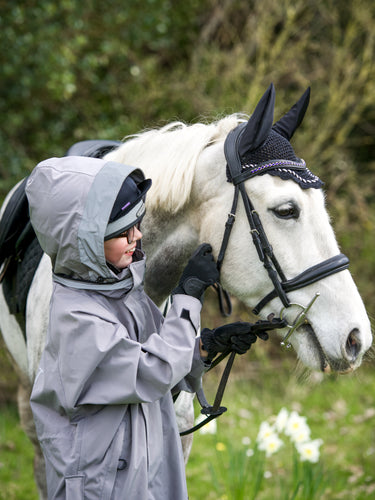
<point>265,148</point>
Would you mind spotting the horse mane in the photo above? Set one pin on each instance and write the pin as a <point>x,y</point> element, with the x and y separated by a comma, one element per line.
<point>169,156</point>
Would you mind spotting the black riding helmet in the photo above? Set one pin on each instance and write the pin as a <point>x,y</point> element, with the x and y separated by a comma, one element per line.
<point>129,207</point>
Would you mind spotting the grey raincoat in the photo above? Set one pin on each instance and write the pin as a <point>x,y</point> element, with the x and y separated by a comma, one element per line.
<point>102,399</point>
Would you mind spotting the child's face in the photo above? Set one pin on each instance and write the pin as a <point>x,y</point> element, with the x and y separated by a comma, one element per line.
<point>119,252</point>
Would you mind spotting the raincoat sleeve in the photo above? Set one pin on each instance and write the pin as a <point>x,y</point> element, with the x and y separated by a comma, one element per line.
<point>100,364</point>
<point>193,380</point>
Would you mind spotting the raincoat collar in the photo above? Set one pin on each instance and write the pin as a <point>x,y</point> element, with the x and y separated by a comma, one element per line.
<point>130,278</point>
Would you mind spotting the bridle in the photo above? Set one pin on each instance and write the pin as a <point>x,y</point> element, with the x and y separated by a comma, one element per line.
<point>282,286</point>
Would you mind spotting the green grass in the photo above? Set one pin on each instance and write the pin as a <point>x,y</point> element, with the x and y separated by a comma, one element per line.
<point>339,409</point>
<point>16,458</point>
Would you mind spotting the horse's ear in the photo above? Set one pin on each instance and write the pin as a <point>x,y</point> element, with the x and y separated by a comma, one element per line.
<point>288,124</point>
<point>260,123</point>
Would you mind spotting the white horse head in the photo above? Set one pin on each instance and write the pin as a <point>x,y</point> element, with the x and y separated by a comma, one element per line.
<point>189,203</point>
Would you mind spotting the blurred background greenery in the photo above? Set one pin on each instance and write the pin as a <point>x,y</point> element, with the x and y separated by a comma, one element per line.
<point>73,70</point>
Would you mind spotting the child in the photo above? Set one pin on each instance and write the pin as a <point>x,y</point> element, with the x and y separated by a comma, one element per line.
<point>102,398</point>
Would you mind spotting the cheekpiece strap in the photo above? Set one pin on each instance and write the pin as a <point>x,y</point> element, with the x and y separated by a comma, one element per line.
<point>231,151</point>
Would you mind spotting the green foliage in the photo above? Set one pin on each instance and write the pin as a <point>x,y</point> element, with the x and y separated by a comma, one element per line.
<point>237,475</point>
<point>69,70</point>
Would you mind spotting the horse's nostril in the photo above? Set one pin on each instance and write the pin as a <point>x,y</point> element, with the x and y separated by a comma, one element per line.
<point>353,345</point>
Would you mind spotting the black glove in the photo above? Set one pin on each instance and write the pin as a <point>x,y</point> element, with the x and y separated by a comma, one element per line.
<point>237,337</point>
<point>199,273</point>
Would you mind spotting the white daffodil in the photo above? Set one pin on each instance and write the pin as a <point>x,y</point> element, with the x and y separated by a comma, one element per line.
<point>281,420</point>
<point>309,451</point>
<point>265,430</point>
<point>296,425</point>
<point>209,428</point>
<point>271,444</point>
<point>301,435</point>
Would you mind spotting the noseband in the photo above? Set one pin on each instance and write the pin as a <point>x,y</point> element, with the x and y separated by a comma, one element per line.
<point>282,286</point>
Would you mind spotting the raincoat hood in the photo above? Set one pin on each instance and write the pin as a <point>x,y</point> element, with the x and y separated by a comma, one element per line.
<point>70,201</point>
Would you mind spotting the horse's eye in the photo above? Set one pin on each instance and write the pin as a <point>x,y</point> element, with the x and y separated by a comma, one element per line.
<point>287,211</point>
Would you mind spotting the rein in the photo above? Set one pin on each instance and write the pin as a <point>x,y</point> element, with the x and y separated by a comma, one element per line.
<point>215,410</point>
<point>265,253</point>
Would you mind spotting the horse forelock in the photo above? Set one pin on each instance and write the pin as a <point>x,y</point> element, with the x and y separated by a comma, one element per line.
<point>169,156</point>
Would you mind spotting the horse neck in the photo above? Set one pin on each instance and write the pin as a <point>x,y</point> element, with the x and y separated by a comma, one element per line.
<point>170,237</point>
<point>171,226</point>
<point>168,241</point>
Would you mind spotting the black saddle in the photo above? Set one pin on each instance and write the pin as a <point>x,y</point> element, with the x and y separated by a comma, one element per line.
<point>20,252</point>
<point>93,148</point>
